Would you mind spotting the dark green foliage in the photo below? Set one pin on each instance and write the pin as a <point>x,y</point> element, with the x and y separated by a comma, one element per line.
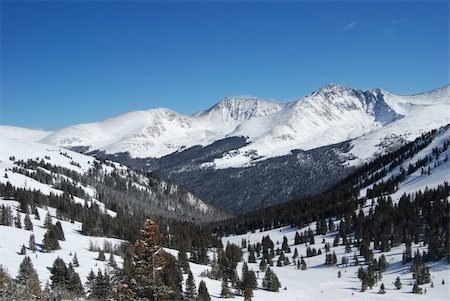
<point>75,260</point>
<point>183,261</point>
<point>190,287</point>
<point>112,262</point>
<point>148,271</point>
<point>18,221</point>
<point>203,294</point>
<point>101,256</point>
<point>28,277</point>
<point>270,281</point>
<point>58,274</point>
<point>73,282</point>
<point>50,241</point>
<point>59,231</point>
<point>398,283</point>
<point>6,217</point>
<point>48,220</point>
<point>27,222</point>
<point>32,243</point>
<point>225,291</point>
<point>23,250</point>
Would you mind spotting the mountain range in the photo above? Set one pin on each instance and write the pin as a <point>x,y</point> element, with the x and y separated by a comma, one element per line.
<point>244,153</point>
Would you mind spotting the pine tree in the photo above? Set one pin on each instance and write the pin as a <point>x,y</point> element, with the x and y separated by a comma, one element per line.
<point>183,260</point>
<point>398,283</point>
<point>23,250</point>
<point>112,261</point>
<point>27,222</point>
<point>59,231</point>
<point>303,264</point>
<point>270,281</point>
<point>73,282</point>
<point>190,287</point>
<point>28,277</point>
<point>50,242</point>
<point>248,294</point>
<point>203,294</point>
<point>18,221</point>
<point>75,261</point>
<point>32,243</point>
<point>262,265</point>
<point>148,262</point>
<point>225,292</point>
<point>58,275</point>
<point>90,283</point>
<point>48,220</point>
<point>101,256</point>
<point>251,257</point>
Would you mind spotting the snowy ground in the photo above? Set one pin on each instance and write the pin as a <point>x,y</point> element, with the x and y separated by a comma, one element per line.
<point>12,239</point>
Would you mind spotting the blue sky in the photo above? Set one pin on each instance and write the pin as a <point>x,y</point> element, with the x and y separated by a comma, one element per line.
<point>70,62</point>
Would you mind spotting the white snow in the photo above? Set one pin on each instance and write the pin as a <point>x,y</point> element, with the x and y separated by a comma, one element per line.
<point>13,238</point>
<point>334,113</point>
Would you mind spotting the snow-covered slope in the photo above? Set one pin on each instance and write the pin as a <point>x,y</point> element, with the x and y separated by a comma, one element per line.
<point>333,113</point>
<point>23,133</point>
<point>434,172</point>
<point>159,194</point>
<point>13,238</point>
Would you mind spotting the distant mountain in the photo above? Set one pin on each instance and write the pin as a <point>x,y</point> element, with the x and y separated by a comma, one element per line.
<point>245,153</point>
<point>333,113</point>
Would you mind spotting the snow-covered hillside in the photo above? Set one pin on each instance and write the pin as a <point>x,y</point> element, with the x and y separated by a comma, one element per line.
<point>164,197</point>
<point>333,113</point>
<point>83,246</point>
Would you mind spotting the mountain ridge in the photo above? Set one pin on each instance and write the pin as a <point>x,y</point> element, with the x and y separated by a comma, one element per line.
<point>292,125</point>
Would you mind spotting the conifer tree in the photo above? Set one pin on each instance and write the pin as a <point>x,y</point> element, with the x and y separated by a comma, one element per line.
<point>183,260</point>
<point>58,275</point>
<point>112,261</point>
<point>225,292</point>
<point>48,220</point>
<point>262,265</point>
<point>18,221</point>
<point>75,262</point>
<point>23,250</point>
<point>28,277</point>
<point>101,256</point>
<point>27,222</point>
<point>59,231</point>
<point>50,242</point>
<point>148,262</point>
<point>90,283</point>
<point>203,294</point>
<point>270,281</point>
<point>73,282</point>
<point>32,243</point>
<point>190,287</point>
<point>398,283</point>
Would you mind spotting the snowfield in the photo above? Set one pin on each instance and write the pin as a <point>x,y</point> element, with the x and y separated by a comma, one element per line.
<point>375,120</point>
<point>13,238</point>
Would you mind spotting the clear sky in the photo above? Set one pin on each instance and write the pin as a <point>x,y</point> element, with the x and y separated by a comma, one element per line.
<point>70,62</point>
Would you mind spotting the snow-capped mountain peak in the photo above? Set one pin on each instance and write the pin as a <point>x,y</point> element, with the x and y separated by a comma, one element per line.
<point>241,108</point>
<point>334,113</point>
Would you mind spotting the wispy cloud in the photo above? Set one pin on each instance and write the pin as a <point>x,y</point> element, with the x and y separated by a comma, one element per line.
<point>350,25</point>
<point>399,21</point>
